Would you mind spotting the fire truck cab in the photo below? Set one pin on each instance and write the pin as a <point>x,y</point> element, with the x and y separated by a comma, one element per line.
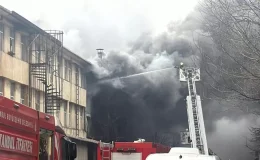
<point>27,134</point>
<point>137,150</point>
<point>182,153</point>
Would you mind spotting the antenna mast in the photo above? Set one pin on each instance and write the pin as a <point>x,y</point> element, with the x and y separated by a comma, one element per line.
<point>194,109</point>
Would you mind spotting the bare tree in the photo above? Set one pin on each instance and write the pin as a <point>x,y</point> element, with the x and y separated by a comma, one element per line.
<point>232,60</point>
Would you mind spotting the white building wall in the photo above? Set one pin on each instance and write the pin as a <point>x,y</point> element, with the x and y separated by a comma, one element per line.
<point>14,69</point>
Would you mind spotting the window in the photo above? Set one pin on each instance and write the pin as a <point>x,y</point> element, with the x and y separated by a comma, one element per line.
<point>66,69</point>
<point>88,122</point>
<point>1,87</point>
<point>52,65</point>
<point>23,93</point>
<point>12,92</point>
<point>82,113</point>
<point>68,73</point>
<point>83,81</point>
<point>24,48</point>
<point>37,100</point>
<point>1,36</point>
<point>70,119</point>
<point>65,114</point>
<point>60,63</point>
<point>77,75</point>
<point>12,40</point>
<point>37,52</point>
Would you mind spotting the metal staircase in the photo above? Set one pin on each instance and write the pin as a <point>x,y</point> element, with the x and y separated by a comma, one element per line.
<point>45,71</point>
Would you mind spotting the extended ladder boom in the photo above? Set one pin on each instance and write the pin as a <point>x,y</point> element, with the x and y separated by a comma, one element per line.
<point>194,110</point>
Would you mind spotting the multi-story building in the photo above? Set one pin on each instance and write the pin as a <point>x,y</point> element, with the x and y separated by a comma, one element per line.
<point>36,70</point>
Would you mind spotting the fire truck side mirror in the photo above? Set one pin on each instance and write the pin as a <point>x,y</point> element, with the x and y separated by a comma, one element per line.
<point>73,150</point>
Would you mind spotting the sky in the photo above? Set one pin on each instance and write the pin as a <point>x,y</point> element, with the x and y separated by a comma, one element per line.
<point>91,24</point>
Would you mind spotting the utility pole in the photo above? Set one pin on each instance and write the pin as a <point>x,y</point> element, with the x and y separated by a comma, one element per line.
<point>194,110</point>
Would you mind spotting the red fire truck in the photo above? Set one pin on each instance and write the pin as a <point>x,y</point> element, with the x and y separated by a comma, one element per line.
<point>137,150</point>
<point>26,134</point>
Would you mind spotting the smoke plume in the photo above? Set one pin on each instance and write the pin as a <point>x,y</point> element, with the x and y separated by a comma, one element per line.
<point>149,106</point>
<point>152,106</point>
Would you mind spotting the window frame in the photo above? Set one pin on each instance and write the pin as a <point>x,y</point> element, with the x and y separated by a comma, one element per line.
<point>65,114</point>
<point>24,55</point>
<point>83,81</point>
<point>77,75</point>
<point>12,40</point>
<point>68,70</point>
<point>37,100</point>
<point>37,46</point>
<point>66,67</point>
<point>70,109</point>
<point>82,119</point>
<point>1,36</point>
<point>12,90</point>
<point>22,94</point>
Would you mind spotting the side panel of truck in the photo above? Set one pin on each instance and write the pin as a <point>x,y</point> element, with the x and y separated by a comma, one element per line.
<point>131,150</point>
<point>126,156</point>
<point>18,131</point>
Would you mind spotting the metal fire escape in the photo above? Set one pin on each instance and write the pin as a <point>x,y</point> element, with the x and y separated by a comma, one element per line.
<point>77,101</point>
<point>194,110</point>
<point>45,68</point>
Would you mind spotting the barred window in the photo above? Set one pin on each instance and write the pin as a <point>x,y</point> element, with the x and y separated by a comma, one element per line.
<point>24,48</point>
<point>65,114</point>
<point>82,116</point>
<point>1,36</point>
<point>12,40</point>
<point>37,100</point>
<point>12,92</point>
<point>23,94</point>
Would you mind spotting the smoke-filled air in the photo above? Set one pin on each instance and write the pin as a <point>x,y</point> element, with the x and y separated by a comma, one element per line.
<point>137,94</point>
<point>134,91</point>
<point>148,105</point>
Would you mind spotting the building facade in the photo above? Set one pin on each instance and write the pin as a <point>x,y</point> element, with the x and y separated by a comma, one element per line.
<point>37,71</point>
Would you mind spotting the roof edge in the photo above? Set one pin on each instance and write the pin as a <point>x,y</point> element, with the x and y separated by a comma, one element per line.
<point>5,9</point>
<point>84,139</point>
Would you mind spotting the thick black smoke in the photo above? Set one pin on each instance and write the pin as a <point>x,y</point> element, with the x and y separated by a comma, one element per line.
<point>153,106</point>
<point>149,106</point>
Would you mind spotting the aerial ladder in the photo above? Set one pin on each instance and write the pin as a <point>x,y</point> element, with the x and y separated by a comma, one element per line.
<point>196,131</point>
